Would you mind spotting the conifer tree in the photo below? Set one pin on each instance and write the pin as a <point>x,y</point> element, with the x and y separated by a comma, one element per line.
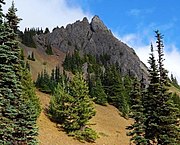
<point>12,18</point>
<point>150,100</point>
<point>17,118</point>
<point>137,128</point>
<point>167,123</point>
<point>161,123</point>
<point>115,90</point>
<point>98,92</point>
<point>58,107</point>
<point>81,107</point>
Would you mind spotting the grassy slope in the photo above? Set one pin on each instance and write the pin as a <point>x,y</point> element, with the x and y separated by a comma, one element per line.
<point>107,123</point>
<point>42,60</point>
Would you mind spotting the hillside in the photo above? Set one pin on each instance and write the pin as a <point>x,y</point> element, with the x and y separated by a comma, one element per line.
<point>42,60</point>
<point>107,122</point>
<point>92,38</point>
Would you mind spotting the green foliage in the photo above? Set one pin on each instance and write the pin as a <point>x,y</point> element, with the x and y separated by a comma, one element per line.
<point>137,128</point>
<point>97,91</point>
<point>29,90</point>
<point>46,30</point>
<point>72,107</point>
<point>12,18</point>
<point>176,100</point>
<point>27,37</point>
<point>58,104</point>
<point>73,62</point>
<point>17,113</point>
<point>155,115</point>
<point>47,83</point>
<point>43,82</point>
<point>174,82</point>
<point>28,34</point>
<point>87,134</point>
<point>117,89</point>
<point>81,107</point>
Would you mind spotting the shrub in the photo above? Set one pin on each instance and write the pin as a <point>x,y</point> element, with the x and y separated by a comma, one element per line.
<point>87,134</point>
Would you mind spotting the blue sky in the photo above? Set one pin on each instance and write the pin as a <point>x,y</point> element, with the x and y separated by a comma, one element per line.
<point>132,21</point>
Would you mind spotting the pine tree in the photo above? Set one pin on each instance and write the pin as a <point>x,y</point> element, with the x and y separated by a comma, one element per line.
<point>150,100</point>
<point>168,129</point>
<point>12,18</point>
<point>98,93</point>
<point>81,107</point>
<point>137,128</point>
<point>17,121</point>
<point>161,123</point>
<point>58,107</point>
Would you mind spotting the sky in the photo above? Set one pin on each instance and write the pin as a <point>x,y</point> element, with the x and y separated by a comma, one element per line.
<point>131,21</point>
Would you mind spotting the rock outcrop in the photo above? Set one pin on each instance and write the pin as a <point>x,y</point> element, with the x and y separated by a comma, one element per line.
<point>96,39</point>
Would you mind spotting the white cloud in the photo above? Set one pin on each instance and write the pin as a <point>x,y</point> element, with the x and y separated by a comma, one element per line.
<point>171,53</point>
<point>46,13</point>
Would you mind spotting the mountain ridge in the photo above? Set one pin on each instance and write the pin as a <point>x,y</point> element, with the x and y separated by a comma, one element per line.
<point>96,39</point>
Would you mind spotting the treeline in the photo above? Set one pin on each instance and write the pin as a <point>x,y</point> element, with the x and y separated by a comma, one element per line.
<point>47,83</point>
<point>105,82</point>
<point>27,35</point>
<point>19,105</point>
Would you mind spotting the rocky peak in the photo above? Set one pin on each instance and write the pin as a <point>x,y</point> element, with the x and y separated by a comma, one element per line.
<point>94,38</point>
<point>97,24</point>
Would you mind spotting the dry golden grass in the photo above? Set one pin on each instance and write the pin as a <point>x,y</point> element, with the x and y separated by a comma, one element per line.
<point>42,60</point>
<point>107,122</point>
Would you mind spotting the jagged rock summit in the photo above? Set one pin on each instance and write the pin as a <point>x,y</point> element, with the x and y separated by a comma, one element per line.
<point>97,24</point>
<point>96,39</point>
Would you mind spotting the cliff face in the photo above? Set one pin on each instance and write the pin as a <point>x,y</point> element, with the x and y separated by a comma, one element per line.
<point>94,38</point>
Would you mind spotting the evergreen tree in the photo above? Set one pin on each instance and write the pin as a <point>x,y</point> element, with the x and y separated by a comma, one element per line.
<point>12,18</point>
<point>167,123</point>
<point>98,93</point>
<point>17,119</point>
<point>150,100</point>
<point>72,107</point>
<point>161,123</point>
<point>46,30</point>
<point>174,82</point>
<point>49,50</point>
<point>137,128</point>
<point>29,90</point>
<point>58,107</point>
<point>32,56</point>
<point>115,90</point>
<point>81,108</point>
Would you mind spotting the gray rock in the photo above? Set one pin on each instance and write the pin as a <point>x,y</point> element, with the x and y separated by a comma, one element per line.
<point>96,39</point>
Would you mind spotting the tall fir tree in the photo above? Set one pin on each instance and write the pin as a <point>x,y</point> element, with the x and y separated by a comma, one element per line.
<point>12,18</point>
<point>168,129</point>
<point>161,123</point>
<point>150,100</point>
<point>17,121</point>
<point>137,128</point>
